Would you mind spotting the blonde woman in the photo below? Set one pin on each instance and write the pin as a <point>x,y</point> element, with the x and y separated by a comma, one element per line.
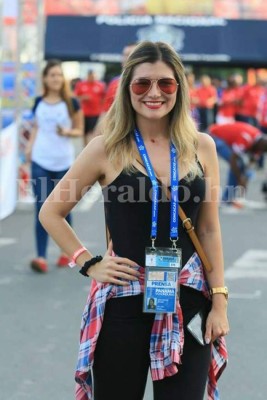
<point>120,338</point>
<point>57,118</point>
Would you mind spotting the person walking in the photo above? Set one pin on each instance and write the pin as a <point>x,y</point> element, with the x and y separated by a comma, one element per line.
<point>238,143</point>
<point>57,118</point>
<point>150,150</point>
<point>190,76</point>
<point>228,103</point>
<point>114,83</point>
<point>249,102</point>
<point>207,98</point>
<point>262,124</point>
<point>91,94</point>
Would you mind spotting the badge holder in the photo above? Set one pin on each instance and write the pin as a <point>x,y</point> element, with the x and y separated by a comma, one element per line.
<point>163,265</point>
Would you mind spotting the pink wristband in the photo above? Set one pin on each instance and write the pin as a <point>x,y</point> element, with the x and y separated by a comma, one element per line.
<point>75,255</point>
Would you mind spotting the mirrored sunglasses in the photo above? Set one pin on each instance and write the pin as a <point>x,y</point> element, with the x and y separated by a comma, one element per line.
<point>143,85</point>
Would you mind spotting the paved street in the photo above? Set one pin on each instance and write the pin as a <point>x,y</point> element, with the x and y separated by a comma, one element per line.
<point>40,314</point>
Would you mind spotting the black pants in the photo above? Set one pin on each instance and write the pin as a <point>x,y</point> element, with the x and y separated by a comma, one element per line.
<point>122,356</point>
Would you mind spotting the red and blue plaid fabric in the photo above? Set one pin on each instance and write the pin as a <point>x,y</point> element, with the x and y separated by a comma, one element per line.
<point>167,336</point>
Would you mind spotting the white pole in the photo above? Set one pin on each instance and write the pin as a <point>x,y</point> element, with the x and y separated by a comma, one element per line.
<point>17,58</point>
<point>40,42</point>
<point>1,63</point>
<point>1,88</point>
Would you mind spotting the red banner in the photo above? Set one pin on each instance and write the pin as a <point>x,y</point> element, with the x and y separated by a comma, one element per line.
<point>230,9</point>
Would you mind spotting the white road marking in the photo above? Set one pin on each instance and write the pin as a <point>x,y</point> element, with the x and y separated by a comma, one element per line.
<point>7,241</point>
<point>248,207</point>
<point>255,205</point>
<point>246,296</point>
<point>252,264</point>
<point>229,209</point>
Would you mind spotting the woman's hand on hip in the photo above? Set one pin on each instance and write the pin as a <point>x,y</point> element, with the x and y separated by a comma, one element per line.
<point>117,270</point>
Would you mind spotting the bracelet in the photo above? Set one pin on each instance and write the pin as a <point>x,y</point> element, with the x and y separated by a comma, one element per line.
<point>89,264</point>
<point>221,290</point>
<point>75,255</point>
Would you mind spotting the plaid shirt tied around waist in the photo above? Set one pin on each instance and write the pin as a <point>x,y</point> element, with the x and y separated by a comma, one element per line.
<point>167,335</point>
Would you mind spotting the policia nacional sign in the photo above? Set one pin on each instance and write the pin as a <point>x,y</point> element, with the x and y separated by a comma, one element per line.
<point>197,39</point>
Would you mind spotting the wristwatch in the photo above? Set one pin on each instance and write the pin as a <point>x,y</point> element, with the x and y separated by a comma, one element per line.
<point>222,290</point>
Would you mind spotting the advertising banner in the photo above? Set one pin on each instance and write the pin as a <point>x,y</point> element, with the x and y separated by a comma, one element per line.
<point>232,9</point>
<point>197,39</point>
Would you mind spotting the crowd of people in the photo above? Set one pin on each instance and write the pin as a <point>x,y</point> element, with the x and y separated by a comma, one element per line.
<point>212,100</point>
<point>235,114</point>
<point>216,100</point>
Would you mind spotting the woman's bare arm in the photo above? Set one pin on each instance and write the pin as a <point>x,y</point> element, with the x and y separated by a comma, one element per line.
<point>209,232</point>
<point>89,167</point>
<point>28,148</point>
<point>208,225</point>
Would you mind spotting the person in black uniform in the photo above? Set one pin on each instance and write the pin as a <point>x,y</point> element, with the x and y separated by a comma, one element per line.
<point>152,100</point>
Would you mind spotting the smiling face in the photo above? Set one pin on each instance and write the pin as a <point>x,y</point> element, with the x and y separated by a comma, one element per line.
<point>153,104</point>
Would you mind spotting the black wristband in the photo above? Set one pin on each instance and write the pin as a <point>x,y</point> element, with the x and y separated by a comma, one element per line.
<point>88,264</point>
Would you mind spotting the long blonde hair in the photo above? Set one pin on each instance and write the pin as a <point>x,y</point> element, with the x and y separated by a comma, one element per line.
<point>119,122</point>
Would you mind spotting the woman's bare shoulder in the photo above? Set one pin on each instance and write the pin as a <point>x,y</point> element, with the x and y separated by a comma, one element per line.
<point>93,157</point>
<point>205,142</point>
<point>96,159</point>
<point>206,150</point>
<point>96,150</point>
<point>96,145</point>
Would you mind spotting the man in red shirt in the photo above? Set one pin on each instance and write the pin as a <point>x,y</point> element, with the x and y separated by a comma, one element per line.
<point>190,76</point>
<point>110,93</point>
<point>114,83</point>
<point>249,102</point>
<point>233,142</point>
<point>262,111</point>
<point>90,93</point>
<point>206,95</point>
<point>228,103</point>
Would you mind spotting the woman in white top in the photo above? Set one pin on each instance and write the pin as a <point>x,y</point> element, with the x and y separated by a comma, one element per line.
<point>58,118</point>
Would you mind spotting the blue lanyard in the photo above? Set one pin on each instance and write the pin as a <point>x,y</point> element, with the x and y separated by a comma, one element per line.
<point>155,189</point>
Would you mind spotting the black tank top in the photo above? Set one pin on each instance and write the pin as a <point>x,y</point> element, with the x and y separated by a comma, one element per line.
<point>128,214</point>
